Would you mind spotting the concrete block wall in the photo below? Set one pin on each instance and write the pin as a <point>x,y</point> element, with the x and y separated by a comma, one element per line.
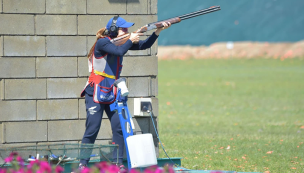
<point>43,67</point>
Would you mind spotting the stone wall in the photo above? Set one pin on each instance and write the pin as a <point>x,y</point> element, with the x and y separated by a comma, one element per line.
<point>43,67</point>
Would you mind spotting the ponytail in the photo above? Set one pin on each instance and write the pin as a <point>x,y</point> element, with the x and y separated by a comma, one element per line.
<point>100,34</point>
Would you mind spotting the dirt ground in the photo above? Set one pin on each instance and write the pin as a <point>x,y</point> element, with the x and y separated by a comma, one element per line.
<point>234,50</point>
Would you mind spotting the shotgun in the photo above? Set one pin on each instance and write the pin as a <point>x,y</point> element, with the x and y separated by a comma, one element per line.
<point>122,39</point>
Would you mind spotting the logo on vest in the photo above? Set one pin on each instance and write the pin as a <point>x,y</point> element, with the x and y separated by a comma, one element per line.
<point>106,97</point>
<point>92,111</point>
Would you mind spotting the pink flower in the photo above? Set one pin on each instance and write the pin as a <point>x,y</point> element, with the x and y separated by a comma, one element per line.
<point>19,159</point>
<point>113,169</point>
<point>134,171</point>
<point>29,171</point>
<point>148,171</point>
<point>2,170</point>
<point>159,170</point>
<point>171,170</point>
<point>13,154</point>
<point>8,159</point>
<point>20,170</point>
<point>151,169</point>
<point>85,170</point>
<point>45,166</point>
<point>32,163</point>
<point>59,169</point>
<point>102,165</point>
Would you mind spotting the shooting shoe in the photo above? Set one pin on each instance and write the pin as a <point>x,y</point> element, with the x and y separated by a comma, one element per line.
<point>122,169</point>
<point>80,168</point>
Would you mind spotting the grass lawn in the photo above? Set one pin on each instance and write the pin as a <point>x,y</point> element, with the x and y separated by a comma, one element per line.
<point>243,115</point>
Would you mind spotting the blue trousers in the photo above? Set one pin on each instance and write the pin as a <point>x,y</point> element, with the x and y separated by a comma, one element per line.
<point>93,123</point>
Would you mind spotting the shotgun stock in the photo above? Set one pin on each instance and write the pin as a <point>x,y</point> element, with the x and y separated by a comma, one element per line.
<point>122,39</point>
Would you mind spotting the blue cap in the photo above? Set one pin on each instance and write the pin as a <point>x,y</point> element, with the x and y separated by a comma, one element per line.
<point>121,23</point>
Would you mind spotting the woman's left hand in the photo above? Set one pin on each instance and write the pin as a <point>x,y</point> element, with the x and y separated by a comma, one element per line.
<point>165,26</point>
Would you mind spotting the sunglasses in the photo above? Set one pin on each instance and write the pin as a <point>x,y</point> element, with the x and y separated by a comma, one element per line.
<point>124,29</point>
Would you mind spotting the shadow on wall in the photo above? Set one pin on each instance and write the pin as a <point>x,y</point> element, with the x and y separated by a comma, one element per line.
<point>119,1</point>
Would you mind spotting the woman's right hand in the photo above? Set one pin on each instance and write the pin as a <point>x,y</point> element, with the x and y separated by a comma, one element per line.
<point>134,37</point>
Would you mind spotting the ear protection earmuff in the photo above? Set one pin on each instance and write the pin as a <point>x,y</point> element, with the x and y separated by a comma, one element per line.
<point>113,32</point>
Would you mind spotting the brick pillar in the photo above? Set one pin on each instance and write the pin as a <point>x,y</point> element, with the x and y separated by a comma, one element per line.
<point>43,67</point>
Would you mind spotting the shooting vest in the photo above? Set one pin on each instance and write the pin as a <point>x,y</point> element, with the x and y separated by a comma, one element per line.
<point>104,71</point>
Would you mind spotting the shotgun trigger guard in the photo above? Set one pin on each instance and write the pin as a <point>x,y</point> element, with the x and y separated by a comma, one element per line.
<point>151,26</point>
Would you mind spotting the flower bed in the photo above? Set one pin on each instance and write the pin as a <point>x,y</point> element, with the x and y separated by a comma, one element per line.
<point>17,165</point>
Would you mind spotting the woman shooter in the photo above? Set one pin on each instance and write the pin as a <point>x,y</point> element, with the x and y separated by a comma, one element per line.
<point>105,64</point>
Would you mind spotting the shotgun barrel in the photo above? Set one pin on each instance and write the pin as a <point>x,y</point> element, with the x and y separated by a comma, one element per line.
<point>199,12</point>
<point>121,40</point>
